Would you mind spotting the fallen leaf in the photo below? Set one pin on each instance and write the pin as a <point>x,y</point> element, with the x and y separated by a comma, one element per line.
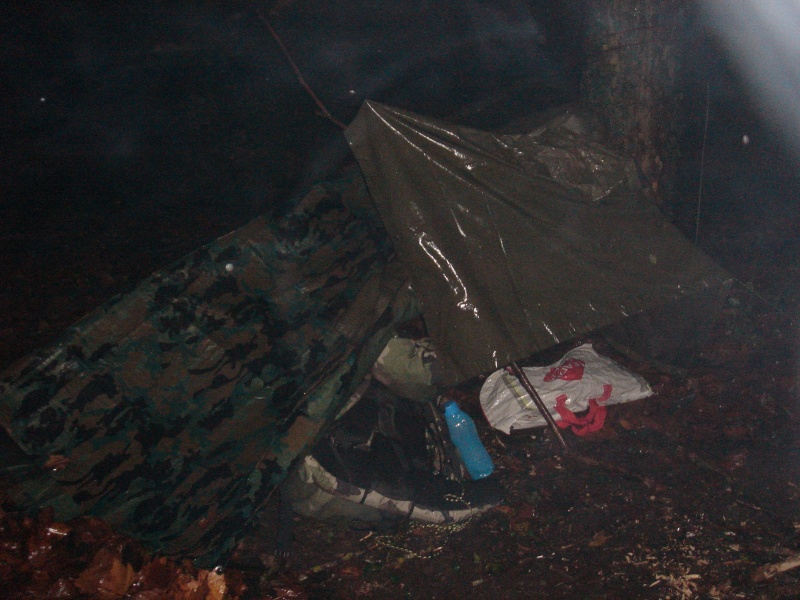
<point>599,539</point>
<point>216,586</point>
<point>524,512</point>
<point>351,572</point>
<point>186,587</point>
<point>106,577</point>
<point>157,574</point>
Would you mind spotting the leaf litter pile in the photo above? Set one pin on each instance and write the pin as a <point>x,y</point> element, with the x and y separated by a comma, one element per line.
<point>691,493</point>
<point>41,558</point>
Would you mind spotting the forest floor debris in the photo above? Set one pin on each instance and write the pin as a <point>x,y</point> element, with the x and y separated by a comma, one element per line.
<point>691,493</point>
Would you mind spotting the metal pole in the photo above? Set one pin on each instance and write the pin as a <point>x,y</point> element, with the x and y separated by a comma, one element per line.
<point>523,379</point>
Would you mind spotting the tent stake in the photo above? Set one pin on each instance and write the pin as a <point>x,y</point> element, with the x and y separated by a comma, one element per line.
<point>523,379</point>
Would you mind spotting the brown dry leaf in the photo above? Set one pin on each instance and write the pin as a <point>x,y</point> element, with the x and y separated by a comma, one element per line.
<point>351,572</point>
<point>216,586</point>
<point>599,539</point>
<point>118,580</point>
<point>157,574</point>
<point>106,577</point>
<point>525,512</point>
<point>186,587</point>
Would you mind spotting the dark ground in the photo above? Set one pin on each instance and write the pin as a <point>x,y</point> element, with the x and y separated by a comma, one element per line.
<point>687,494</point>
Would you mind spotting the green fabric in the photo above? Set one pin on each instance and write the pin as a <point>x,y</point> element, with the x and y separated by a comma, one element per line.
<point>517,242</point>
<point>408,368</point>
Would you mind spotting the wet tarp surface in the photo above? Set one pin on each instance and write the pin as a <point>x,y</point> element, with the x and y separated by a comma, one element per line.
<point>517,242</point>
<point>173,411</point>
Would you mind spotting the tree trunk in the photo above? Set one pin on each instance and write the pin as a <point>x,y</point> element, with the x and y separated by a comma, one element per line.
<point>632,49</point>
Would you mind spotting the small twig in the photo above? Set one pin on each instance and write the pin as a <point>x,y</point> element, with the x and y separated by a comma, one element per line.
<point>300,78</point>
<point>625,46</point>
<point>366,537</point>
<point>780,550</point>
<point>614,468</point>
<point>562,573</point>
<point>769,571</point>
<point>747,504</point>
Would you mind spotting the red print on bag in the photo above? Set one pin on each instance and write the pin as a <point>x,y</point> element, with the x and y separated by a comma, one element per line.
<point>569,370</point>
<point>591,421</point>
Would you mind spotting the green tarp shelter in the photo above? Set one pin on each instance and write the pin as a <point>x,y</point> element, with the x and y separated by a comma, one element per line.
<point>515,243</point>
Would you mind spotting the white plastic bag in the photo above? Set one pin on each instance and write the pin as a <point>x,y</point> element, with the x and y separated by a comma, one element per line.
<point>581,376</point>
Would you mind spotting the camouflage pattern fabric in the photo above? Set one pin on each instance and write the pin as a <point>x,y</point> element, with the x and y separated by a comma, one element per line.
<point>172,412</point>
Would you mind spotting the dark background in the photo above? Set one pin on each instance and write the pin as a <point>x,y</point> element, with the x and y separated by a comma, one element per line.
<point>131,133</point>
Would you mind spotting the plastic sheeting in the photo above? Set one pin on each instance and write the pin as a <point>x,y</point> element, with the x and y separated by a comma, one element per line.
<point>573,382</point>
<point>515,243</point>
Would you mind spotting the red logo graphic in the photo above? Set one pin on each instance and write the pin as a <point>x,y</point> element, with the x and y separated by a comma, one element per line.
<point>569,370</point>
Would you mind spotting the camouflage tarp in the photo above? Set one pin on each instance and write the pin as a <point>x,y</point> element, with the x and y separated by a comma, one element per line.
<point>173,411</point>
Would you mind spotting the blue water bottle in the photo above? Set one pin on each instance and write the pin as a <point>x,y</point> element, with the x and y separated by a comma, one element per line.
<point>465,437</point>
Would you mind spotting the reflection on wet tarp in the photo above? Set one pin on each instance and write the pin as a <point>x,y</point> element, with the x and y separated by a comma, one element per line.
<point>517,242</point>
